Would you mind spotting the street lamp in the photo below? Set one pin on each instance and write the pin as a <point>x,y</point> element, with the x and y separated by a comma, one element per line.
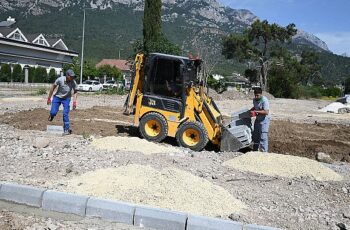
<point>82,51</point>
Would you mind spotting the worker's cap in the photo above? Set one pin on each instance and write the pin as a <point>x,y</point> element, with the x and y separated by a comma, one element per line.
<point>70,72</point>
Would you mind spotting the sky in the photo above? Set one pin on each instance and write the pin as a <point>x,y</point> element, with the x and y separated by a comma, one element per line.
<point>329,20</point>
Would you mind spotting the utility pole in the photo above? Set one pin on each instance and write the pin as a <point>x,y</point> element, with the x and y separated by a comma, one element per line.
<point>82,51</point>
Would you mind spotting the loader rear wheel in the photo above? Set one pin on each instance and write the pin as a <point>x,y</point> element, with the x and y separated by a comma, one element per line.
<point>192,135</point>
<point>153,127</point>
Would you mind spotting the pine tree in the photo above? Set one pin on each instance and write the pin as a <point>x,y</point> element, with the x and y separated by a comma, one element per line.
<point>255,45</point>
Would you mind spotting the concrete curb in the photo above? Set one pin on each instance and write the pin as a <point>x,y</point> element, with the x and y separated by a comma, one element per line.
<point>64,202</point>
<point>257,227</point>
<point>159,218</point>
<point>22,194</point>
<point>111,210</point>
<point>206,223</point>
<point>141,216</point>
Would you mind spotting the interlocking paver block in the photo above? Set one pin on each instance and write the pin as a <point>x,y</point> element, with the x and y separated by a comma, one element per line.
<point>159,219</point>
<point>207,223</point>
<point>258,227</point>
<point>22,194</point>
<point>111,210</point>
<point>64,202</point>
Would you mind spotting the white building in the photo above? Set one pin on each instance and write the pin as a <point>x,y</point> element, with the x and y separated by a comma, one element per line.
<point>32,50</point>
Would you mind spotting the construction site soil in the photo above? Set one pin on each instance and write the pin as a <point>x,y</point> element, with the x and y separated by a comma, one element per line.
<point>286,137</point>
<point>276,190</point>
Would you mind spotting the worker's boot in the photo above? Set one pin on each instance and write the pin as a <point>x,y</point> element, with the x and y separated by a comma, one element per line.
<point>67,132</point>
<point>50,118</point>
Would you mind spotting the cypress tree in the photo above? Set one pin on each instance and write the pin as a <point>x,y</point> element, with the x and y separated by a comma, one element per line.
<point>5,73</point>
<point>52,76</point>
<point>152,23</point>
<point>17,74</point>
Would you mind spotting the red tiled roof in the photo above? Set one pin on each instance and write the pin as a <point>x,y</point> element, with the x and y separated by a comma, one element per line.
<point>123,65</point>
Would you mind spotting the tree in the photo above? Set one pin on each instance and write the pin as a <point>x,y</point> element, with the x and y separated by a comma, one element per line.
<point>17,73</point>
<point>89,70</point>
<point>40,75</point>
<point>153,38</point>
<point>31,72</point>
<point>110,72</point>
<point>5,73</point>
<point>347,86</point>
<point>52,76</point>
<point>252,75</point>
<point>75,66</point>
<point>310,59</point>
<point>254,44</point>
<point>152,23</point>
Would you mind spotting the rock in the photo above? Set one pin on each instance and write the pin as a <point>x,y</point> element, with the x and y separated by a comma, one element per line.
<point>346,215</point>
<point>342,226</point>
<point>346,158</point>
<point>214,177</point>
<point>69,168</point>
<point>234,216</point>
<point>345,190</point>
<point>41,143</point>
<point>325,158</point>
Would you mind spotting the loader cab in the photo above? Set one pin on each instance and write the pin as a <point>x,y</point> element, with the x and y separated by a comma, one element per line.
<point>169,75</point>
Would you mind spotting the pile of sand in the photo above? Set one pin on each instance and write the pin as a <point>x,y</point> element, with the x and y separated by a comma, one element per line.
<point>132,144</point>
<point>169,188</point>
<point>272,164</point>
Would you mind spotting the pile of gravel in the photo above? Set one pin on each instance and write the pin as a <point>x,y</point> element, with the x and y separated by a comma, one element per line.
<point>272,164</point>
<point>168,188</point>
<point>132,144</point>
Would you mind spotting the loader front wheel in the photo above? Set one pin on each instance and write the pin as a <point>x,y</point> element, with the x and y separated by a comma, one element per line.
<point>153,127</point>
<point>192,135</point>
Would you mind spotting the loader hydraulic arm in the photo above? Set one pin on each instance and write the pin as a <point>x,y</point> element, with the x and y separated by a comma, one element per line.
<point>136,86</point>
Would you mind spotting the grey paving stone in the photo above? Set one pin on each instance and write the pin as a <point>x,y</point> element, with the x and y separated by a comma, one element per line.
<point>207,223</point>
<point>22,194</point>
<point>54,129</point>
<point>64,202</point>
<point>258,227</point>
<point>159,218</point>
<point>110,210</point>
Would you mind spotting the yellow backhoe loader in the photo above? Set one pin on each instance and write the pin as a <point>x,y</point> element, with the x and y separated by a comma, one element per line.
<point>167,98</point>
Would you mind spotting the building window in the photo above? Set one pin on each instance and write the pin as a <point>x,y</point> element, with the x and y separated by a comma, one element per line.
<point>17,36</point>
<point>41,41</point>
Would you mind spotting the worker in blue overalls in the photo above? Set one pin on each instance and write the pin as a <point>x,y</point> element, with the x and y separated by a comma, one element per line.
<point>65,86</point>
<point>262,122</point>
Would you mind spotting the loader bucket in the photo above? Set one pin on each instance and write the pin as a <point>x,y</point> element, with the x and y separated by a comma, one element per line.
<point>229,143</point>
<point>238,133</point>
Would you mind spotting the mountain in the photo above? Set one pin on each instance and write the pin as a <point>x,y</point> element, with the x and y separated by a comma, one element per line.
<point>113,26</point>
<point>305,38</point>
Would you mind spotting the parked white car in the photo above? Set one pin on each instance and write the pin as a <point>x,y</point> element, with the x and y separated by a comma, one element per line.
<point>90,86</point>
<point>113,84</point>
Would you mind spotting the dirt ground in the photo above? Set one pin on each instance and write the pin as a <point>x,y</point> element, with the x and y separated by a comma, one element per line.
<point>297,128</point>
<point>286,137</point>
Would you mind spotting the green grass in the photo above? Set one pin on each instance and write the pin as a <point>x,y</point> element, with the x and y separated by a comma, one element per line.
<point>39,92</point>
